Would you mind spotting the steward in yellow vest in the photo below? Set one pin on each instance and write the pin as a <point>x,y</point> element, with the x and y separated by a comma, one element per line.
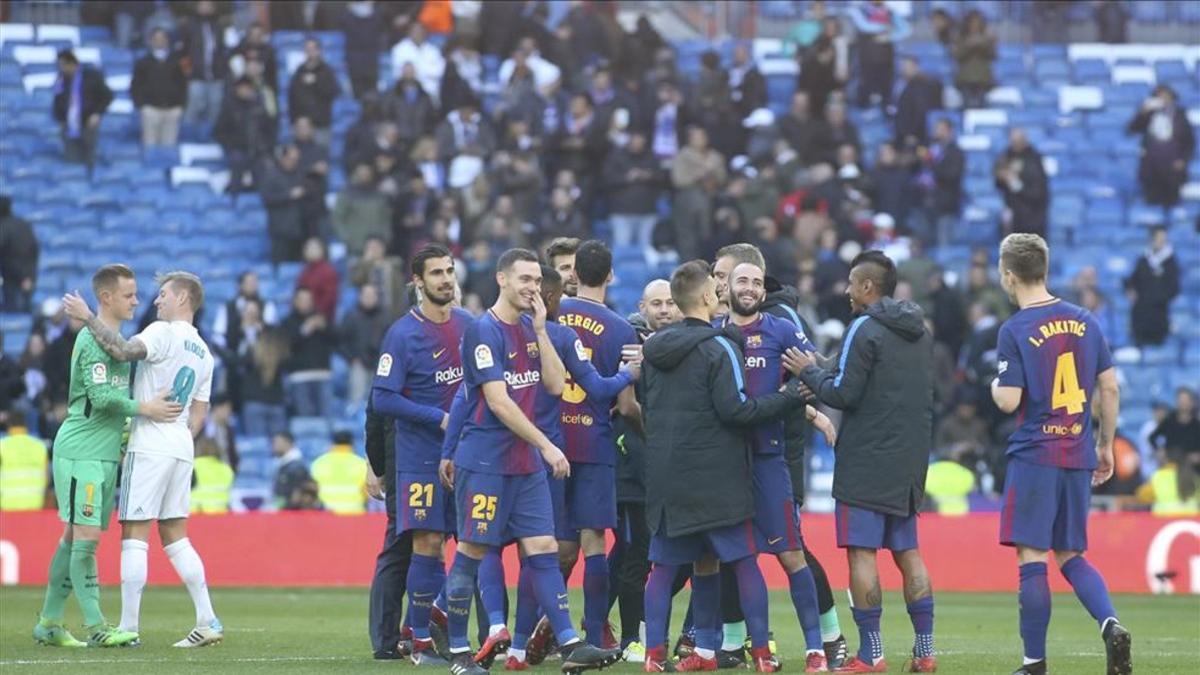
<point>212,480</point>
<point>341,477</point>
<point>23,463</point>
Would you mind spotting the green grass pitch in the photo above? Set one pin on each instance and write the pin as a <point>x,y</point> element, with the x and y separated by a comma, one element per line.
<point>324,630</point>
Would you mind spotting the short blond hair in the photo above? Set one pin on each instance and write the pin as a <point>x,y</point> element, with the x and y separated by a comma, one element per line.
<point>1026,255</point>
<point>188,282</point>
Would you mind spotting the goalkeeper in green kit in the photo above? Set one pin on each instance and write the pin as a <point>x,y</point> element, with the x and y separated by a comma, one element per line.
<point>87,451</point>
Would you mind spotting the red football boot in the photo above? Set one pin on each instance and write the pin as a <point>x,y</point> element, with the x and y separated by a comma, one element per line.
<point>511,663</point>
<point>816,663</point>
<point>857,665</point>
<point>657,661</point>
<point>764,660</point>
<point>695,664</point>
<point>539,642</point>
<point>922,664</point>
<point>496,644</point>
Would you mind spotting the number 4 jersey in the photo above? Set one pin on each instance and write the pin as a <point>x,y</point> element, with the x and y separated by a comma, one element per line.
<point>1053,351</point>
<point>177,361</point>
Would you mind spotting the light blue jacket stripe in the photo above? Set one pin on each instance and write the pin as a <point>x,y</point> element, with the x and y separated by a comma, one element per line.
<point>837,381</point>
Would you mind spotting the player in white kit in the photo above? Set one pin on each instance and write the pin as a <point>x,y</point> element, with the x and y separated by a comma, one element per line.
<point>156,475</point>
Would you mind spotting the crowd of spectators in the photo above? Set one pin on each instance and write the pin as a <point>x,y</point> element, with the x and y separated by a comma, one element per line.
<point>591,122</point>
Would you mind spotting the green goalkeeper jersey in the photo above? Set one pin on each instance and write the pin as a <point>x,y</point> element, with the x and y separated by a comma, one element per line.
<point>99,404</point>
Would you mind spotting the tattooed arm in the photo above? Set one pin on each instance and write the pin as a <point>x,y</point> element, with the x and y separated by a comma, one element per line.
<point>109,340</point>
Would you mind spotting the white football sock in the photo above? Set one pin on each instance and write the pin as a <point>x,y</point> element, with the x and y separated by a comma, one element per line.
<point>133,581</point>
<point>190,569</point>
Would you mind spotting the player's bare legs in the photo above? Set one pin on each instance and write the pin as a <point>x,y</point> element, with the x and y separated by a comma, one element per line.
<point>918,596</point>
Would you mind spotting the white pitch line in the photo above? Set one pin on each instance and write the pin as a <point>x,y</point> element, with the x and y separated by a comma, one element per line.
<point>263,659</point>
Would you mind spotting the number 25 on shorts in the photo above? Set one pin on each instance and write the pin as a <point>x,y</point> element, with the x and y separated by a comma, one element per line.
<point>483,507</point>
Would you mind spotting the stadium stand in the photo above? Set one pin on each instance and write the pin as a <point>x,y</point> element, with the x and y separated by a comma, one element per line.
<point>167,209</point>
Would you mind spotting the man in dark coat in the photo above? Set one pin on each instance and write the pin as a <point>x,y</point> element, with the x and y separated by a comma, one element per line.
<point>884,387</point>
<point>942,176</point>
<point>1168,143</point>
<point>1152,286</point>
<point>282,189</point>
<point>18,259</point>
<point>699,495</point>
<point>918,95</point>
<point>313,89</point>
<point>80,97</point>
<point>1021,179</point>
<point>159,90</point>
<point>245,132</point>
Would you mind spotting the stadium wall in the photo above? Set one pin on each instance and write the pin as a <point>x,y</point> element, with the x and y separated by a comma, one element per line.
<point>1138,553</point>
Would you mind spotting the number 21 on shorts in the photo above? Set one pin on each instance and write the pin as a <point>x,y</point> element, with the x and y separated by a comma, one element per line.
<point>1066,392</point>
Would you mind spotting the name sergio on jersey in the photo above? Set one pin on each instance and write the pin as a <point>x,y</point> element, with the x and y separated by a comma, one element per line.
<point>585,322</point>
<point>523,379</point>
<point>449,375</point>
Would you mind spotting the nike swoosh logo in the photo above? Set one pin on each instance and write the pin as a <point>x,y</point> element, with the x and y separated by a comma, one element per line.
<point>776,540</point>
<point>562,596</point>
<point>513,355</point>
<point>438,353</point>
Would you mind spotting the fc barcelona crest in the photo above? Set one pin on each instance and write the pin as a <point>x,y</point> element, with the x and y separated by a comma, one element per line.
<point>531,348</point>
<point>86,510</point>
<point>753,341</point>
<point>481,527</point>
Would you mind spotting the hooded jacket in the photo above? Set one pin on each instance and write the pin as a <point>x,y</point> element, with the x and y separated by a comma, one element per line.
<point>883,384</point>
<point>697,420</point>
<point>781,301</point>
<point>631,448</point>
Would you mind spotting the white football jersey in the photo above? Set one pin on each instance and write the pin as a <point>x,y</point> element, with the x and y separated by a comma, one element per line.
<point>178,361</point>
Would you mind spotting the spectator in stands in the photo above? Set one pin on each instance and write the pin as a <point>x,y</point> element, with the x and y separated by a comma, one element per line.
<point>805,30</point>
<point>18,259</point>
<point>204,49</point>
<point>361,211</point>
<point>563,218</point>
<point>29,389</point>
<point>697,174</point>
<point>579,146</point>
<point>1152,286</point>
<point>292,484</point>
<point>311,340</point>
<point>362,29</point>
<point>546,75</point>
<point>219,430</point>
<point>1112,19</point>
<point>159,91</point>
<point>800,128</point>
<point>260,372</point>
<point>517,169</point>
<point>465,131</point>
<point>1179,432</point>
<point>410,218</point>
<point>836,130</point>
<point>313,90</point>
<point>13,388</point>
<point>256,46</point>
<point>245,132</point>
<point>879,29</point>
<point>670,118</point>
<point>1049,21</point>
<point>1168,143</point>
<point>977,360</point>
<point>891,186</point>
<point>314,166</point>
<point>282,189</point>
<point>946,310</point>
<point>1021,180</point>
<point>944,27</point>
<point>409,107</point>
<point>963,431</point>
<point>320,278</point>
<point>941,167</point>
<point>360,334</point>
<point>80,98</point>
<point>228,330</point>
<point>264,87</point>
<point>1095,302</point>
<point>341,477</point>
<point>425,58</point>
<point>463,77</point>
<point>919,94</point>
<point>384,273</point>
<point>983,290</point>
<point>747,86</point>
<point>974,50</point>
<point>633,182</point>
<point>825,65</point>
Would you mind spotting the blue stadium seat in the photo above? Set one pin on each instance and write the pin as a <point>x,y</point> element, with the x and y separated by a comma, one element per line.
<point>309,426</point>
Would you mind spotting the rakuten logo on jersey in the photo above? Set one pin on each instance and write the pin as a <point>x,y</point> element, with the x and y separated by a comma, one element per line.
<point>522,380</point>
<point>449,375</point>
<point>756,362</point>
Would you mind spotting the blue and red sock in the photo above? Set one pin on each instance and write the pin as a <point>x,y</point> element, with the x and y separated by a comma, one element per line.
<point>706,609</point>
<point>527,609</point>
<point>753,591</point>
<point>870,641</point>
<point>1090,589</point>
<point>426,576</point>
<point>595,598</point>
<point>460,592</point>
<point>920,612</point>
<point>658,604</point>
<point>551,594</point>
<point>1034,602</point>
<point>804,599</point>
<point>491,588</point>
